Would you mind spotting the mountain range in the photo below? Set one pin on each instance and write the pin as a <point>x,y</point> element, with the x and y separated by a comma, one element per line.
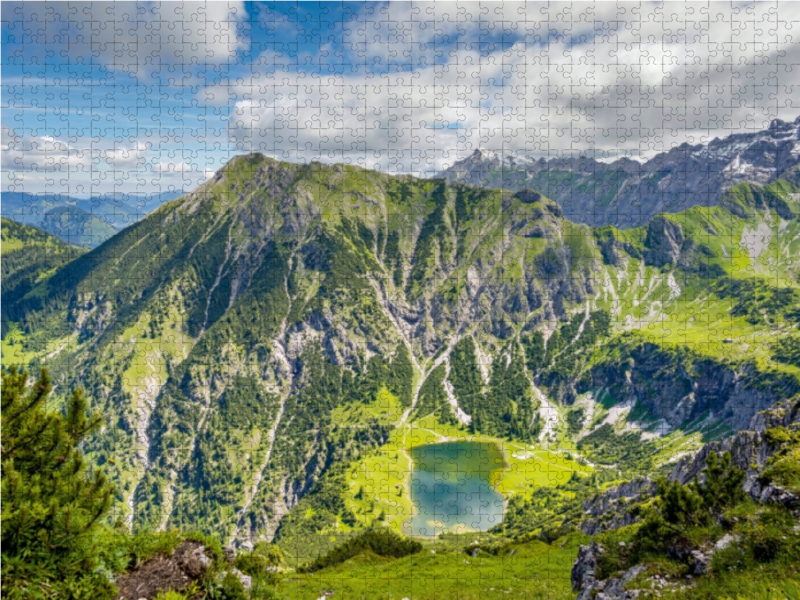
<point>265,348</point>
<point>624,193</point>
<point>627,193</point>
<point>85,222</point>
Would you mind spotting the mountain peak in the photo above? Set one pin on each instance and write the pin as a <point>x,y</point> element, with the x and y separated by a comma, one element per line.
<point>486,154</point>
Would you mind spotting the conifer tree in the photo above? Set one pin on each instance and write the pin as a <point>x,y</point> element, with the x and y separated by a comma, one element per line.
<point>52,505</point>
<point>697,504</point>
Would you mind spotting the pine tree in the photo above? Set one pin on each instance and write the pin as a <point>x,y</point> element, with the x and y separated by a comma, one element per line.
<point>723,484</point>
<point>52,504</point>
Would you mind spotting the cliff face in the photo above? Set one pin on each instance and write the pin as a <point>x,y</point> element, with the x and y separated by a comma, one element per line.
<point>616,507</point>
<point>751,450</point>
<point>585,582</point>
<point>679,386</point>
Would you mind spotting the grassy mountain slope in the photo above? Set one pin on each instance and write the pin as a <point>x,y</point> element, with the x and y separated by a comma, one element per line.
<point>29,256</point>
<point>268,345</point>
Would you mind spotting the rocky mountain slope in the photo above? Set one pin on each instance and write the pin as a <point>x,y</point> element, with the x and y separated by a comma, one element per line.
<point>627,193</point>
<point>752,450</point>
<point>253,340</point>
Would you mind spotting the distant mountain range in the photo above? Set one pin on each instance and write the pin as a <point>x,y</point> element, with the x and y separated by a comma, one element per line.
<point>627,193</point>
<point>85,222</point>
<point>624,193</point>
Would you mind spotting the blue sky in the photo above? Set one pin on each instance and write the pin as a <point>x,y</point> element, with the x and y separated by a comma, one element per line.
<point>148,97</point>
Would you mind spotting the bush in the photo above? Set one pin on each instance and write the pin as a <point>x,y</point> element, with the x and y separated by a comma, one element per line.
<point>271,552</point>
<point>262,564</point>
<point>783,473</point>
<point>783,467</point>
<point>227,587</point>
<point>188,594</point>
<point>172,595</point>
<point>382,542</point>
<point>771,536</point>
<point>732,558</point>
<point>256,566</point>
<point>575,420</point>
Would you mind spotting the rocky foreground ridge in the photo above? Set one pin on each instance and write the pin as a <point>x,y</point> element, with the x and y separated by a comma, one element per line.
<point>751,451</point>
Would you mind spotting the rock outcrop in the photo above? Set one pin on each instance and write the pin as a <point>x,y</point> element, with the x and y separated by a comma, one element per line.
<point>664,242</point>
<point>584,578</point>
<point>679,387</point>
<point>750,451</point>
<point>176,572</point>
<point>584,570</point>
<point>616,507</point>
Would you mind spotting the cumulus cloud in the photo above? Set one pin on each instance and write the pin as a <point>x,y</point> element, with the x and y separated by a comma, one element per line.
<point>92,163</point>
<point>181,167</point>
<point>157,42</point>
<point>179,174</point>
<point>132,157</point>
<point>400,87</point>
<point>438,81</point>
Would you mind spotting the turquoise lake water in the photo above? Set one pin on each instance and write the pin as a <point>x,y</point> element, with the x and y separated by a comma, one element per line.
<point>452,488</point>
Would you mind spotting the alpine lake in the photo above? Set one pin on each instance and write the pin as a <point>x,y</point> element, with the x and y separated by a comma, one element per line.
<point>453,488</point>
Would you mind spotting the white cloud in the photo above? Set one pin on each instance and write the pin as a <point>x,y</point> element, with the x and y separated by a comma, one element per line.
<point>590,78</point>
<point>154,41</point>
<point>405,87</point>
<point>181,167</point>
<point>84,166</point>
<point>133,157</point>
<point>180,174</point>
<point>41,153</point>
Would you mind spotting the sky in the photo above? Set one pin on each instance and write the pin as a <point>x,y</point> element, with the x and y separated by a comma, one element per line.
<point>135,97</point>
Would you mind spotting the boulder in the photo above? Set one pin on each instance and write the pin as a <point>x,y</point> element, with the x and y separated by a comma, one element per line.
<point>164,573</point>
<point>192,559</point>
<point>230,553</point>
<point>247,581</point>
<point>584,578</point>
